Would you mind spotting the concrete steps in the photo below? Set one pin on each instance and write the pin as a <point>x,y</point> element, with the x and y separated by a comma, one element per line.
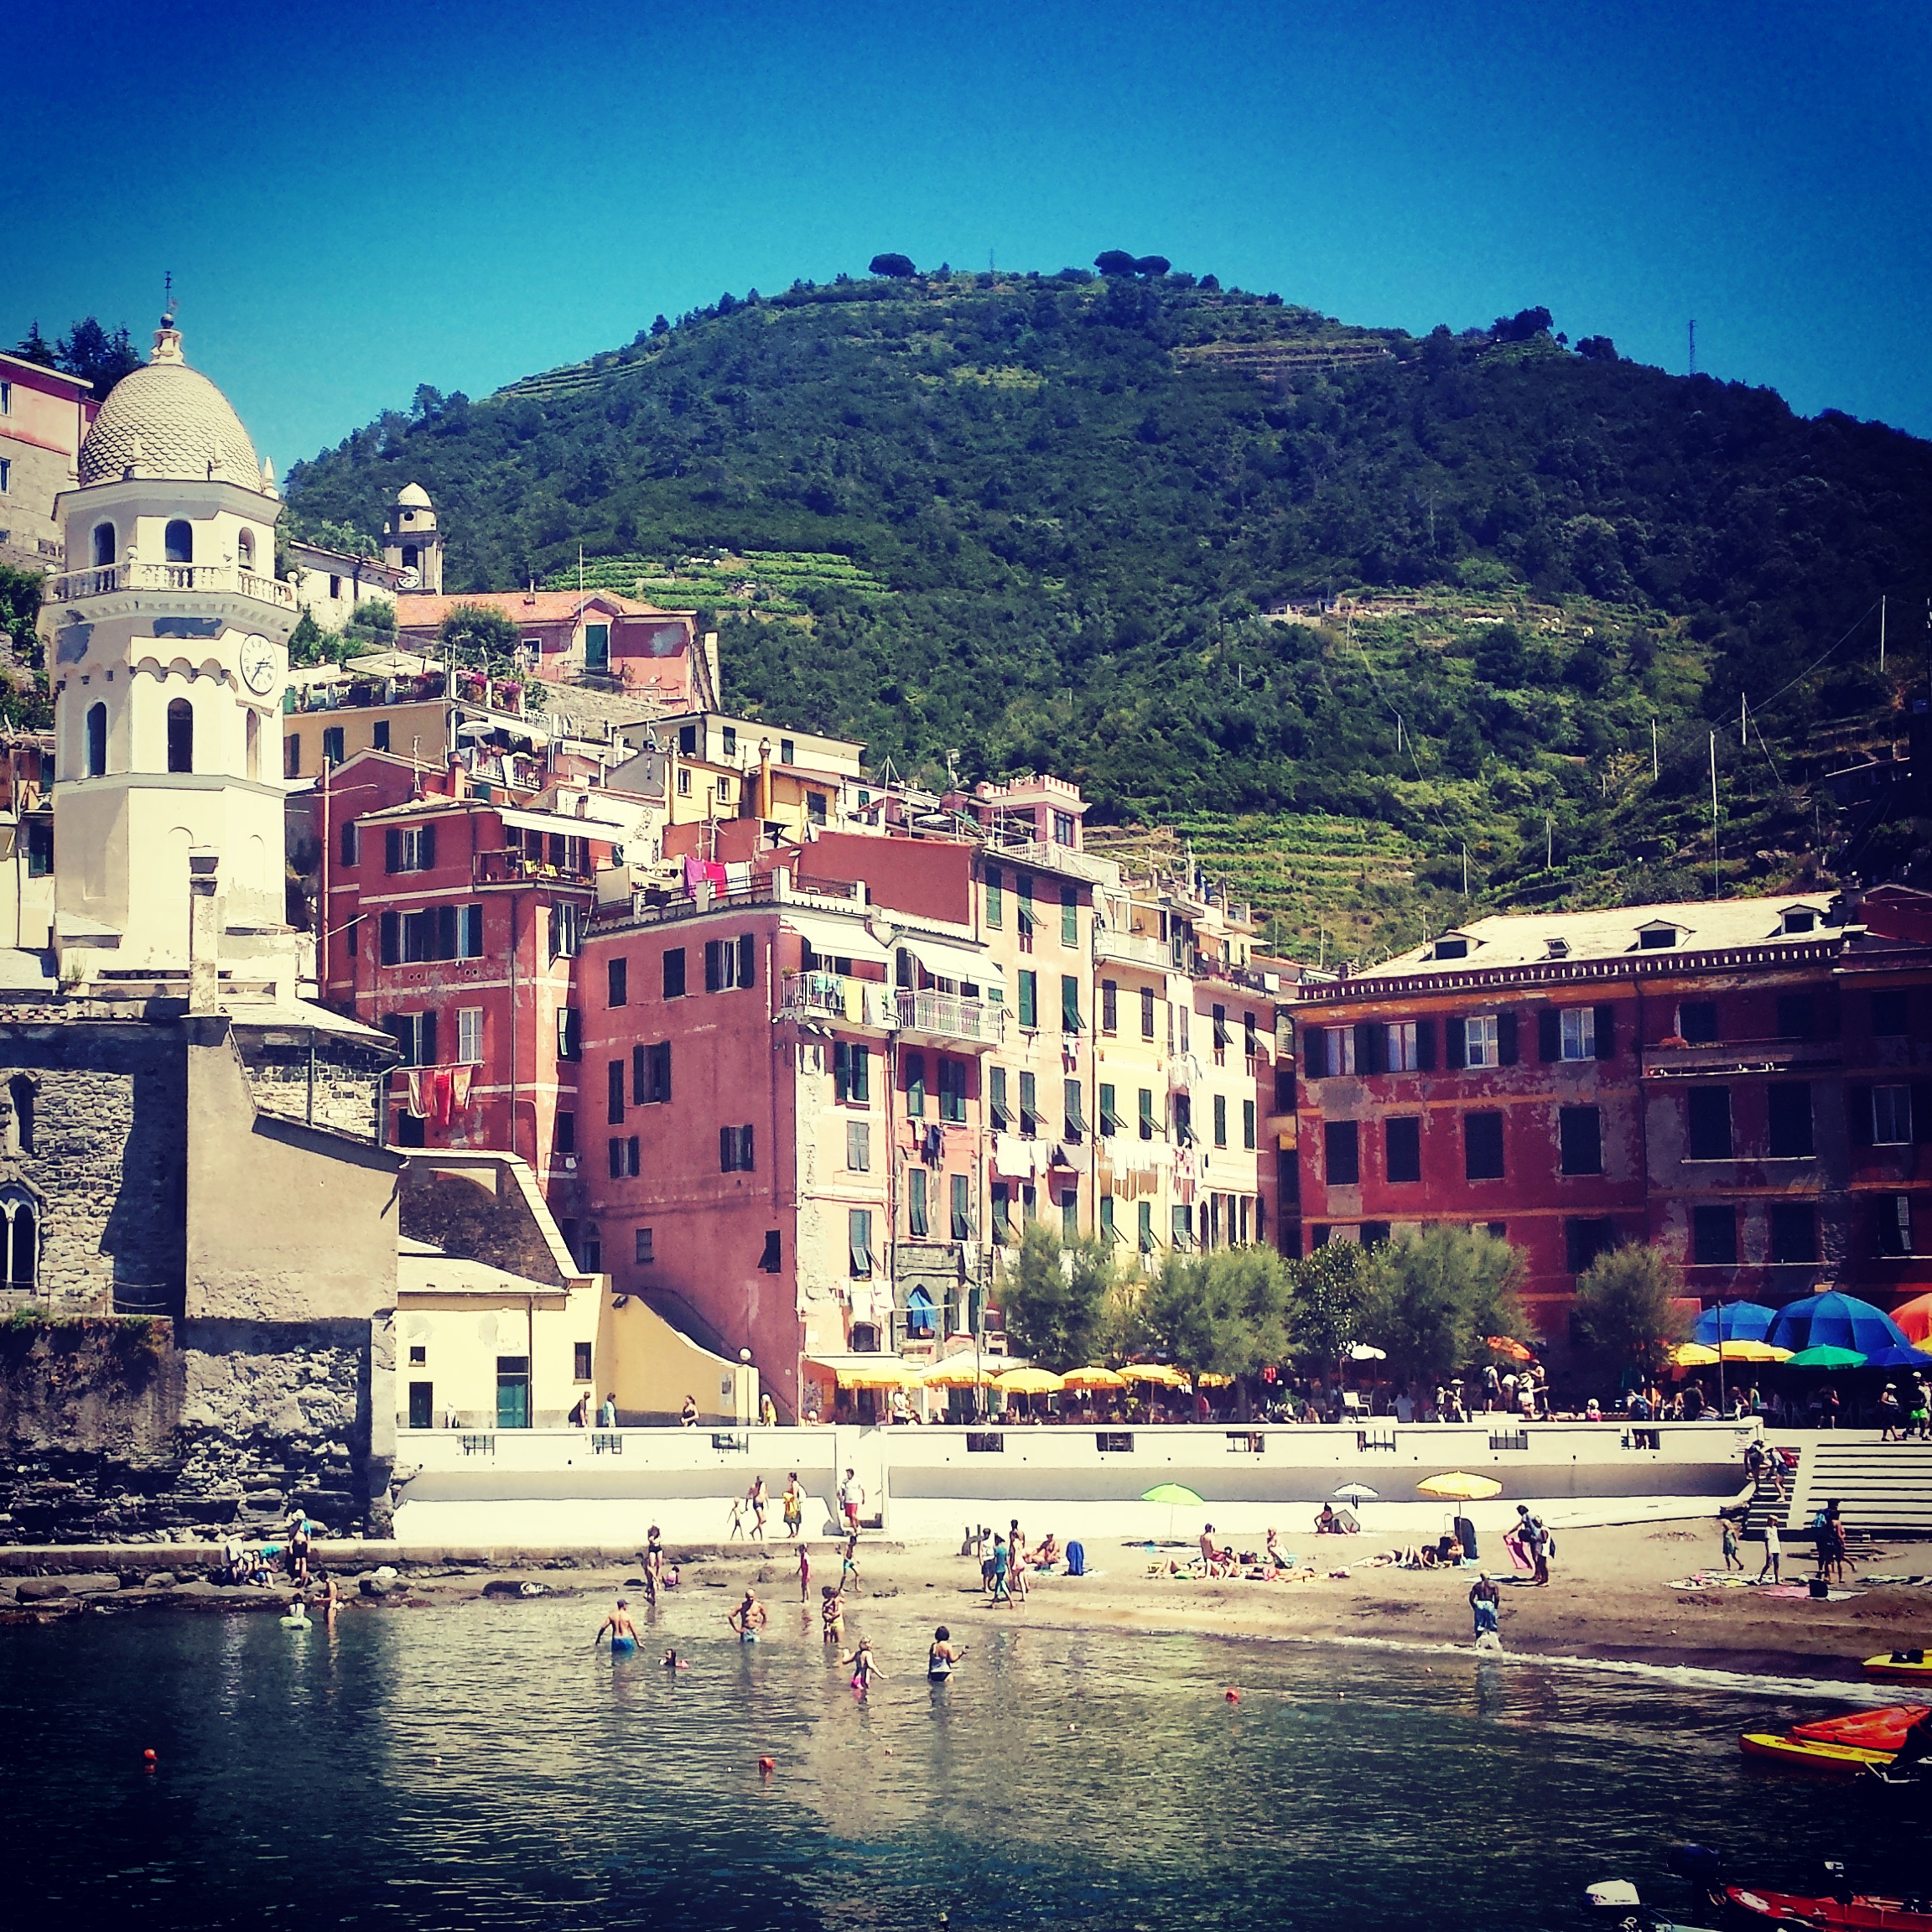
<point>1881,1487</point>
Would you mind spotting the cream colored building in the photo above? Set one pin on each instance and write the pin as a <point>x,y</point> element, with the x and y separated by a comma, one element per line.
<point>329,584</point>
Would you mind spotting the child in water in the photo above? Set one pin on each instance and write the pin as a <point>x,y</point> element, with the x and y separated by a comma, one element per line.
<point>864,1669</point>
<point>832,1613</point>
<point>672,1661</point>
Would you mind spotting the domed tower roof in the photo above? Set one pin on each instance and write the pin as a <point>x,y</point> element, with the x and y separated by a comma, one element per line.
<point>414,497</point>
<point>167,420</point>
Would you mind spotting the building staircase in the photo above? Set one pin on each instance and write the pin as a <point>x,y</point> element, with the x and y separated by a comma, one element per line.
<point>1883,1488</point>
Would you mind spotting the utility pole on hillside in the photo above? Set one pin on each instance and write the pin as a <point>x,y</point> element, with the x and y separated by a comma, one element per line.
<point>1693,344</point>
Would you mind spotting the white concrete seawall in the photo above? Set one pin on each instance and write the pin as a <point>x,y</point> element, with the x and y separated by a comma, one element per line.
<point>562,1489</point>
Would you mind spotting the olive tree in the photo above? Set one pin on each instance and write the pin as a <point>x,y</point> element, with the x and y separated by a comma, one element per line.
<point>1627,1306</point>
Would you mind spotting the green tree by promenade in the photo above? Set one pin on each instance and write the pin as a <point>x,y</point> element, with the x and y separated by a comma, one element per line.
<point>1060,1300</point>
<point>1432,1298</point>
<point>1627,1306</point>
<point>1223,1313</point>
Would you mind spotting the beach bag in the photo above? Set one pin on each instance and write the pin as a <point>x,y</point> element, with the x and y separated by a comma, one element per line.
<point>1076,1560</point>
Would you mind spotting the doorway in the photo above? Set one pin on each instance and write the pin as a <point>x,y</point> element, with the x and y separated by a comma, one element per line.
<point>513,1391</point>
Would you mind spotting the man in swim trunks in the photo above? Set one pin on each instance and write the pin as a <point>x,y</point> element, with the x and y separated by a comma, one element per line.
<point>1484,1602</point>
<point>623,1631</point>
<point>748,1619</point>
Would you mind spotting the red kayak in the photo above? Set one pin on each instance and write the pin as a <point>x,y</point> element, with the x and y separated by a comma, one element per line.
<point>1880,1730</point>
<point>1860,1909</point>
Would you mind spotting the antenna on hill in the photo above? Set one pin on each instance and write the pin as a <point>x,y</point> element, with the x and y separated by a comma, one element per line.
<point>1881,636</point>
<point>1693,344</point>
<point>1717,888</point>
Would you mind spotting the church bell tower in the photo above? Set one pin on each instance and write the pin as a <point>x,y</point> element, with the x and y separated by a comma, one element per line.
<point>411,542</point>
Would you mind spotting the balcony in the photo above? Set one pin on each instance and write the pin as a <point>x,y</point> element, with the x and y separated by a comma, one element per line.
<point>1718,1058</point>
<point>510,868</point>
<point>1132,949</point>
<point>204,579</point>
<point>946,1016</point>
<point>833,999</point>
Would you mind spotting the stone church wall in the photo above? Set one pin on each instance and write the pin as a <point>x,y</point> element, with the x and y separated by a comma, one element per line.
<point>338,1085</point>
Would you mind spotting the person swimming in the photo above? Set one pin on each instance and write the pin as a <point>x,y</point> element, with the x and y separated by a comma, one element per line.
<point>942,1657</point>
<point>672,1661</point>
<point>623,1631</point>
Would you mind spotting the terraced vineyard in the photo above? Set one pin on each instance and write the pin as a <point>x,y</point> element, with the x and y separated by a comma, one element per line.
<point>767,581</point>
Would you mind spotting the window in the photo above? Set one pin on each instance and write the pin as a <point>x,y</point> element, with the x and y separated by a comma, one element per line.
<point>177,542</point>
<point>1481,1040</point>
<point>1247,1124</point>
<point>252,753</point>
<point>916,1218</point>
<point>1584,1240</point>
<point>1889,1016</point>
<point>1800,919</point>
<point>40,856</point>
<point>415,1036</point>
<point>1145,1231</point>
<point>952,1091</point>
<point>564,1134</point>
<point>1710,1123</point>
<point>1070,1020</point>
<point>597,648</point>
<point>859,1242</point>
<point>97,741</point>
<point>1029,998</point>
<point>469,1035</point>
<point>6,398</point>
<point>379,734</point>
<point>1577,1027</point>
<point>614,1081</point>
<point>335,586</point>
<point>1075,1112</point>
<point>1220,1119</point>
<point>1146,1012</point>
<point>1403,1141</point>
<point>103,546</point>
<point>1447,948</point>
<point>1793,1231</point>
<point>1069,915</point>
<point>1891,1116</point>
<point>1110,1006</point>
<point>245,549</point>
<point>422,1402</point>
<point>291,756</point>
<point>1029,1104</point>
<point>730,737</point>
<point>851,1074</point>
<point>788,753</point>
<point>651,1073</point>
<point>1697,1022</point>
<point>724,791</point>
<point>815,808</point>
<point>624,1158</point>
<point>915,1064</point>
<point>331,745</point>
<point>684,781</point>
<point>688,741</point>
<point>1002,1215</point>
<point>1220,1033</point>
<point>674,972</point>
<point>730,963</point>
<point>772,1260</point>
<point>859,1146</point>
<point>1403,1048</point>
<point>617,979</point>
<point>410,849</point>
<point>1714,1236</point>
<point>995,899</point>
<point>1580,1141</point>
<point>1790,1103</point>
<point>181,735</point>
<point>1146,1113</point>
<point>1482,1146</point>
<point>349,845</point>
<point>996,1101</point>
<point>1109,1111</point>
<point>22,1093</point>
<point>962,1209</point>
<point>1894,1226</point>
<point>1107,1229</point>
<point>735,1151</point>
<point>1342,1152</point>
<point>569,1033</point>
<point>1180,1112</point>
<point>1797,1016</point>
<point>1182,1228</point>
<point>1656,939</point>
<point>580,1353</point>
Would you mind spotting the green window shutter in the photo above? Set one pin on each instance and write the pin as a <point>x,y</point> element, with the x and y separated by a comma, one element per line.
<point>1029,998</point>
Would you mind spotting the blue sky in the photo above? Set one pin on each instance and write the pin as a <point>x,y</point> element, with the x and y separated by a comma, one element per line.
<point>357,198</point>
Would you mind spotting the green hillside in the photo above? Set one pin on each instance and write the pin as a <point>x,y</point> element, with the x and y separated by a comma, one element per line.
<point>1202,550</point>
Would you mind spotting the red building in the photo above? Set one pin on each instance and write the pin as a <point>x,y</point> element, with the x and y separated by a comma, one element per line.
<point>1741,1082</point>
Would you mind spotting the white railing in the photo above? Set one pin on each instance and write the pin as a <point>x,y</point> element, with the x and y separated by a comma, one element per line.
<point>947,1016</point>
<point>833,997</point>
<point>1133,949</point>
<point>108,578</point>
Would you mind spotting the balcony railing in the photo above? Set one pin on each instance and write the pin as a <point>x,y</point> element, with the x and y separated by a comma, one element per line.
<point>945,1015</point>
<point>1714,1058</point>
<point>834,998</point>
<point>515,868</point>
<point>207,578</point>
<point>1132,949</point>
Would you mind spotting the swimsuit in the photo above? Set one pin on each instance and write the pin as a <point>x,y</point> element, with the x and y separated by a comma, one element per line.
<point>939,1667</point>
<point>622,1646</point>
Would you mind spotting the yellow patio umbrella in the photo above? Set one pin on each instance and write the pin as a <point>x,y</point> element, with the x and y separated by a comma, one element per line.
<point>1210,1381</point>
<point>1459,1487</point>
<point>889,1372</point>
<point>1161,1374</point>
<point>1744,1351</point>
<point>1692,1355</point>
<point>956,1373</point>
<point>1093,1377</point>
<point>1031,1382</point>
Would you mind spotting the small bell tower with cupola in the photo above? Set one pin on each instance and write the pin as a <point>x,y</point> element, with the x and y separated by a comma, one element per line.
<point>411,542</point>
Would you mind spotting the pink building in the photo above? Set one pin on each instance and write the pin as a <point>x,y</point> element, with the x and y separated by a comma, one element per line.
<point>43,416</point>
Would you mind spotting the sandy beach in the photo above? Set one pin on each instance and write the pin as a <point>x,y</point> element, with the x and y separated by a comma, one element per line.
<point>1610,1596</point>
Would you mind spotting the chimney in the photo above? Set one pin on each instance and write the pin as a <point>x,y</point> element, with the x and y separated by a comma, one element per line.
<point>204,947</point>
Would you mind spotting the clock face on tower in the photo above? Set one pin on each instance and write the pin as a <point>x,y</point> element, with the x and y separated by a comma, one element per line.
<point>259,664</point>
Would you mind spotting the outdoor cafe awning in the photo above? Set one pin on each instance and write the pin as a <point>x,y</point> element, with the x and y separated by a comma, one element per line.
<point>866,1371</point>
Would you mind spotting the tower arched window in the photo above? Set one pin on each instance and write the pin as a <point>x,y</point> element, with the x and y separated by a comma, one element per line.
<point>180,735</point>
<point>180,541</point>
<point>97,741</point>
<point>103,546</point>
<point>22,1094</point>
<point>245,549</point>
<point>254,766</point>
<point>20,1237</point>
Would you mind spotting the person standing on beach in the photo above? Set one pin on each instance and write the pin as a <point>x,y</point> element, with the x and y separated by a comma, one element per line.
<point>1485,1602</point>
<point>793,1502</point>
<point>851,1501</point>
<point>1001,1594</point>
<point>1773,1552</point>
<point>607,1415</point>
<point>756,1497</point>
<point>1732,1561</point>
<point>1889,1415</point>
<point>1535,1538</point>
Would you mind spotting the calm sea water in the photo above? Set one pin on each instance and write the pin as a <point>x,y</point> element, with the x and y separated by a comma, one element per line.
<point>476,1765</point>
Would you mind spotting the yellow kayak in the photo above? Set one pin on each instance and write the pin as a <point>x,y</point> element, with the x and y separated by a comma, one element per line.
<point>1900,1667</point>
<point>1809,1754</point>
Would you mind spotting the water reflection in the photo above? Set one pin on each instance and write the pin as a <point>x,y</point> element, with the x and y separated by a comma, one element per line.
<point>477,1765</point>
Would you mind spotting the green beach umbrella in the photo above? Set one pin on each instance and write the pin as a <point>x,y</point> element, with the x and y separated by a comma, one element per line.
<point>1176,1496</point>
<point>1826,1357</point>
